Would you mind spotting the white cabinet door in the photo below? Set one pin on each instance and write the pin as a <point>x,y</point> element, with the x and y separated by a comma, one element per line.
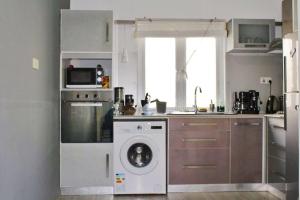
<point>86,31</point>
<point>86,165</point>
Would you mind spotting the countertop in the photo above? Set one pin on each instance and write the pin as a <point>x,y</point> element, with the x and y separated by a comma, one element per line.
<point>275,115</point>
<point>166,116</point>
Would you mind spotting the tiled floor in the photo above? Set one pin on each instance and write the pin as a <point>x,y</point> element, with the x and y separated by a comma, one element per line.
<point>182,196</point>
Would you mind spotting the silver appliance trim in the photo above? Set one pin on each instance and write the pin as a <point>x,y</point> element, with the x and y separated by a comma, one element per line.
<point>86,190</point>
<point>83,86</point>
<point>80,104</point>
<point>218,187</point>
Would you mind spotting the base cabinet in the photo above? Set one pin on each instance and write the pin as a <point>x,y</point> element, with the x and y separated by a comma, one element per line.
<point>198,151</point>
<point>86,165</point>
<point>246,150</point>
<point>215,151</point>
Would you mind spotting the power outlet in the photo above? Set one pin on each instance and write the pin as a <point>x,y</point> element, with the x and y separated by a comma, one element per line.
<point>265,80</point>
<point>35,63</point>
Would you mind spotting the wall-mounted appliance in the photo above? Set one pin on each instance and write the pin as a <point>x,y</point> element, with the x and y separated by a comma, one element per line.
<point>77,77</point>
<point>250,35</point>
<point>86,117</point>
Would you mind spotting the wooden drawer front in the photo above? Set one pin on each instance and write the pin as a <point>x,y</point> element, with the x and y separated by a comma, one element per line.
<point>246,150</point>
<point>198,124</point>
<point>276,170</point>
<point>276,126</point>
<point>199,139</point>
<point>276,138</point>
<point>206,166</point>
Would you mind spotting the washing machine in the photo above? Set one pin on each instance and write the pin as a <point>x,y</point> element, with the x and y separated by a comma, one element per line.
<point>140,157</point>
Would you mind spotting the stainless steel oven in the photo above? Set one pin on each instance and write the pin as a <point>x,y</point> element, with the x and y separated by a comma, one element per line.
<point>86,117</point>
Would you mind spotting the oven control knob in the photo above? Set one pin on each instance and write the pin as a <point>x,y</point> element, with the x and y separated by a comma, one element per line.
<point>99,79</point>
<point>139,127</point>
<point>95,95</point>
<point>86,96</point>
<point>77,96</point>
<point>99,73</point>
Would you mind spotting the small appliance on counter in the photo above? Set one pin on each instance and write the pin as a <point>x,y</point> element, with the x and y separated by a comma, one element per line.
<point>129,108</point>
<point>86,77</point>
<point>272,102</point>
<point>246,102</point>
<point>146,105</point>
<point>118,100</point>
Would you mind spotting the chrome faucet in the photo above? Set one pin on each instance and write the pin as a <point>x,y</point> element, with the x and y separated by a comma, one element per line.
<point>195,105</point>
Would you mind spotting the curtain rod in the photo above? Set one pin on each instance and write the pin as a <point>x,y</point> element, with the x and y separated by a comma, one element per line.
<point>166,19</point>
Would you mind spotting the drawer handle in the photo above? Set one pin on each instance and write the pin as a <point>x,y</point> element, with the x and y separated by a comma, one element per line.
<point>278,127</point>
<point>246,124</point>
<point>280,175</point>
<point>199,166</point>
<point>199,124</point>
<point>199,140</point>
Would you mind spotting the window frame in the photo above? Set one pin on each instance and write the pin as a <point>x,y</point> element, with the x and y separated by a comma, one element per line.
<point>180,60</point>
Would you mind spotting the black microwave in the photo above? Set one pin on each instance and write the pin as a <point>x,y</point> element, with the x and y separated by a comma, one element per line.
<point>84,77</point>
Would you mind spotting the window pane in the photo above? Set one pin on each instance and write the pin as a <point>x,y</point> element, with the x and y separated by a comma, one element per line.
<point>201,70</point>
<point>160,69</point>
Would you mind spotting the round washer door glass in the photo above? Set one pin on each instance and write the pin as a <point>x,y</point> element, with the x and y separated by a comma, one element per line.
<point>139,155</point>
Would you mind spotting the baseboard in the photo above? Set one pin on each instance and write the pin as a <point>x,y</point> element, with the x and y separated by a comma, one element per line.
<point>86,190</point>
<point>276,192</point>
<point>218,187</point>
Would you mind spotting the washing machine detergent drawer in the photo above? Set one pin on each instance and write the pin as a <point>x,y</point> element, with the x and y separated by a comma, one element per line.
<point>140,157</point>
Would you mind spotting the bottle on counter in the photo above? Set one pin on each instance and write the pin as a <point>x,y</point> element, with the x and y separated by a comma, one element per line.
<point>100,74</point>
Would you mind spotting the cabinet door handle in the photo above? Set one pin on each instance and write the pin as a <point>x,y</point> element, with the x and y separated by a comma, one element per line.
<point>292,52</point>
<point>247,124</point>
<point>107,165</point>
<point>278,127</point>
<point>199,124</point>
<point>107,32</point>
<point>199,166</point>
<point>199,139</point>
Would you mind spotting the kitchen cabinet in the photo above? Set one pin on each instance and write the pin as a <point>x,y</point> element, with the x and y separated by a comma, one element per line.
<point>246,150</point>
<point>276,153</point>
<point>198,150</point>
<point>86,165</point>
<point>250,35</point>
<point>86,31</point>
<point>289,16</point>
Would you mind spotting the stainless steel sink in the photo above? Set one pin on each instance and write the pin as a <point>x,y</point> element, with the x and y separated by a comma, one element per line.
<point>199,113</point>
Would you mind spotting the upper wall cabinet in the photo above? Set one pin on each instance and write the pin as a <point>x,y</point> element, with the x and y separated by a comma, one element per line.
<point>250,35</point>
<point>289,16</point>
<point>86,31</point>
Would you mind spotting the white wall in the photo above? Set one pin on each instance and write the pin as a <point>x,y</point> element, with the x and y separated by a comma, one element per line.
<point>130,9</point>
<point>244,72</point>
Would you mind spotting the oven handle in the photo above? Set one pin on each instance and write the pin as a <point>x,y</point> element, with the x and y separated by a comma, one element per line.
<point>80,104</point>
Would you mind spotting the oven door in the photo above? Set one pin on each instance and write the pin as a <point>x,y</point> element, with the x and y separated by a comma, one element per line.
<point>86,122</point>
<point>81,77</point>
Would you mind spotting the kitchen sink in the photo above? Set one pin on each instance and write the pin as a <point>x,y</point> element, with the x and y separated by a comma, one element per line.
<point>199,113</point>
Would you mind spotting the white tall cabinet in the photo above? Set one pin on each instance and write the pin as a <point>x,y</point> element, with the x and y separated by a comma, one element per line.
<point>86,40</point>
<point>86,31</point>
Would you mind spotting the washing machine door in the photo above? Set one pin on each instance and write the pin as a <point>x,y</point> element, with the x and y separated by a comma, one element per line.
<point>139,155</point>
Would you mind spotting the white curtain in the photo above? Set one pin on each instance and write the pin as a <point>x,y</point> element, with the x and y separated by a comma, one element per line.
<point>180,28</point>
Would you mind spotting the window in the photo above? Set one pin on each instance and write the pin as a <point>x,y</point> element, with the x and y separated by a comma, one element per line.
<point>175,66</point>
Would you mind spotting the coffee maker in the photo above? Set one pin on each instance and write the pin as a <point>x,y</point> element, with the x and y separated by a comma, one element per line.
<point>246,102</point>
